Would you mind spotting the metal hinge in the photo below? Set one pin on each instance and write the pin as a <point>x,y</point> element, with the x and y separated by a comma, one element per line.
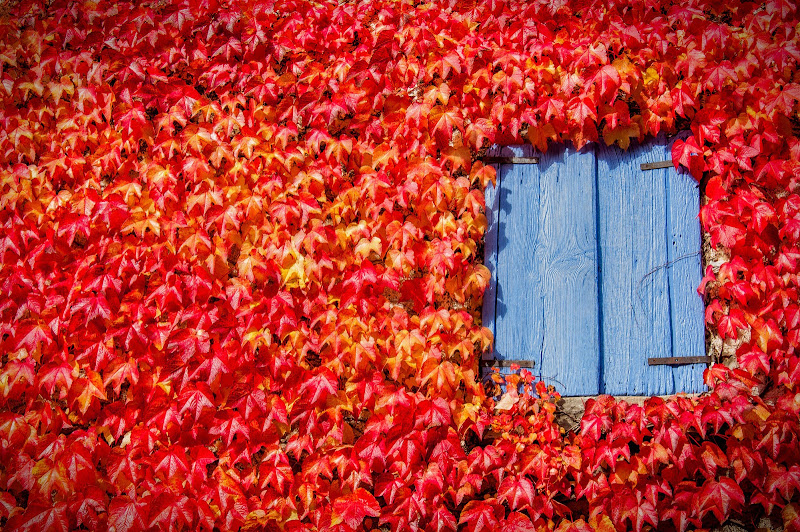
<point>494,363</point>
<point>510,160</point>
<point>678,361</point>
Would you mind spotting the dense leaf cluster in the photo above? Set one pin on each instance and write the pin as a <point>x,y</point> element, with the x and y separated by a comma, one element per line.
<point>241,268</point>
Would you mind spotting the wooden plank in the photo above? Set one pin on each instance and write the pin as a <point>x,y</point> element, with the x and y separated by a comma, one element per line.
<point>678,361</point>
<point>685,273</point>
<point>518,290</point>
<point>509,160</point>
<point>547,269</point>
<point>634,287</point>
<point>492,199</point>
<point>569,268</point>
<point>656,165</point>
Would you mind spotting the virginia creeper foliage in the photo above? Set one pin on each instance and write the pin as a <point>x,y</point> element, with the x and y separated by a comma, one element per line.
<point>241,272</point>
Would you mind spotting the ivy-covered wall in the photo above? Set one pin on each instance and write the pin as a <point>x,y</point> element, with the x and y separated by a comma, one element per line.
<point>240,277</point>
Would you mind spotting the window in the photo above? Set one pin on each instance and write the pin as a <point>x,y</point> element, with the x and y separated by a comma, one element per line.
<point>595,260</point>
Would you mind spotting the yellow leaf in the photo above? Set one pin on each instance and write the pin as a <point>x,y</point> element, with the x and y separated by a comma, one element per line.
<point>539,136</point>
<point>293,271</point>
<point>459,157</point>
<point>651,76</point>
<point>621,135</point>
<point>366,246</point>
<point>601,523</point>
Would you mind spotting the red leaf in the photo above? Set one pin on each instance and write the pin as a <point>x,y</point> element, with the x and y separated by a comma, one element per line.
<point>608,81</point>
<point>171,512</point>
<point>351,509</point>
<point>8,505</point>
<point>784,481</point>
<point>442,121</point>
<point>635,508</point>
<point>197,401</point>
<point>432,482</point>
<point>729,232</point>
<point>720,498</point>
<point>276,472</point>
<point>712,456</point>
<point>551,107</point>
<point>481,515</point>
<point>126,514</point>
<point>88,505</point>
<point>728,324</point>
<point>718,75</point>
<point>38,517</point>
<point>434,413</point>
<point>518,491</point>
<point>681,517</point>
<point>581,110</point>
<point>594,424</point>
<point>320,386</point>
<point>229,428</point>
<point>171,464</point>
<point>689,154</point>
<point>442,520</point>
<point>684,100</point>
<point>17,375</point>
<point>120,372</point>
<point>31,334</point>
<point>518,522</point>
<point>52,477</point>
<point>754,360</point>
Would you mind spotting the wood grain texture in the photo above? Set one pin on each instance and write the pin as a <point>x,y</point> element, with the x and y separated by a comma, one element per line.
<point>547,269</point>
<point>635,289</point>
<point>567,259</point>
<point>492,199</point>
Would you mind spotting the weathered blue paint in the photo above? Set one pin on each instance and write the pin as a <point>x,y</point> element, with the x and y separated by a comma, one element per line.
<point>685,272</point>
<point>594,267</point>
<point>490,254</point>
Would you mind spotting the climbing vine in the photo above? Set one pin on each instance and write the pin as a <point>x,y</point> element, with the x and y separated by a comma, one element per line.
<point>241,263</point>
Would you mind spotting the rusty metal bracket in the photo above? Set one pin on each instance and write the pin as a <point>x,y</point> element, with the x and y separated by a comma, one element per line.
<point>510,160</point>
<point>656,165</point>
<point>494,363</point>
<point>678,361</point>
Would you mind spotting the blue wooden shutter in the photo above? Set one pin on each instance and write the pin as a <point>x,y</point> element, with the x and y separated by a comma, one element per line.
<point>594,267</point>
